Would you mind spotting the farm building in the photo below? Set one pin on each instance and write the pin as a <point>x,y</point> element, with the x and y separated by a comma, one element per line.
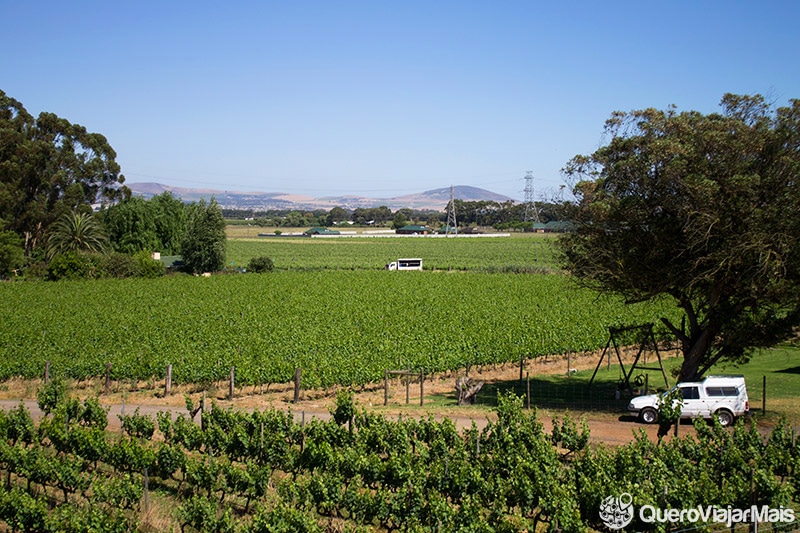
<point>414,230</point>
<point>320,231</point>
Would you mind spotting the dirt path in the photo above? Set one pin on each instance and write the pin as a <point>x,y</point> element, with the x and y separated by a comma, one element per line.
<point>604,428</point>
<point>608,428</point>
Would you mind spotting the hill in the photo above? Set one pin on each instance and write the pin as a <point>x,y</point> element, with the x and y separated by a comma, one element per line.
<point>435,199</point>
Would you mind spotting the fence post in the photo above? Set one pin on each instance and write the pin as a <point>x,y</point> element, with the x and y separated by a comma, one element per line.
<point>569,361</point>
<point>521,364</point>
<point>408,384</point>
<point>146,492</point>
<point>168,381</point>
<point>764,398</point>
<point>230,391</point>
<point>107,387</point>
<point>297,372</point>
<point>528,378</point>
<point>385,387</point>
<point>421,386</point>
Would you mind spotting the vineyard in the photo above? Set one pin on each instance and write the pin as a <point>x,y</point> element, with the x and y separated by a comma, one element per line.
<point>262,471</point>
<point>340,327</point>
<point>534,253</point>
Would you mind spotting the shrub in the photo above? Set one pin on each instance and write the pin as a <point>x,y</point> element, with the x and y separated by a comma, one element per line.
<point>260,264</point>
<point>70,265</point>
<point>149,267</point>
<point>119,265</point>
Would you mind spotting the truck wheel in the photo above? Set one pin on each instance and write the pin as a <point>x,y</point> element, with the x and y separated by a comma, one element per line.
<point>648,415</point>
<point>725,417</point>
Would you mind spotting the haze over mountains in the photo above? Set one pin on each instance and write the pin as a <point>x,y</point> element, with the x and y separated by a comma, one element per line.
<point>435,199</point>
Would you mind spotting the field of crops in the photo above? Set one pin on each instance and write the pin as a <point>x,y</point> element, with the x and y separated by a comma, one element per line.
<point>530,253</point>
<point>339,326</point>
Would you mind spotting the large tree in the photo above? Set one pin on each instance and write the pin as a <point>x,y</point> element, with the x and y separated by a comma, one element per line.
<point>203,245</point>
<point>704,209</point>
<point>155,225</point>
<point>49,167</point>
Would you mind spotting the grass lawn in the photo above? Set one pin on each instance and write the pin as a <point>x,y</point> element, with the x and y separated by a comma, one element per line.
<point>778,367</point>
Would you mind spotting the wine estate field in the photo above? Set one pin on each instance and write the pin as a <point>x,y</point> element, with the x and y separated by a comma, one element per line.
<point>528,253</point>
<point>340,327</point>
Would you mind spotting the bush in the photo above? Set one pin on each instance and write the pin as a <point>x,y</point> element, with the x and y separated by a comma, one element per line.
<point>149,267</point>
<point>260,264</point>
<point>119,265</point>
<point>70,265</point>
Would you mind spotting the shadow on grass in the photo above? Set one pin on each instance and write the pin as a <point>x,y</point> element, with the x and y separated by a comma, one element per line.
<point>792,370</point>
<point>562,393</point>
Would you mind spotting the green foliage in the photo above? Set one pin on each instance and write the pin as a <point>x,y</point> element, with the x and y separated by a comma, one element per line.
<point>519,254</point>
<point>669,411</point>
<point>399,220</point>
<point>49,167</point>
<point>51,395</point>
<point>12,255</point>
<point>118,265</point>
<point>70,266</point>
<point>147,267</point>
<point>155,225</point>
<point>567,435</point>
<point>203,245</point>
<point>386,474</point>
<point>700,208</point>
<point>138,426</point>
<point>260,264</point>
<point>266,326</point>
<point>76,232</point>
<point>345,407</point>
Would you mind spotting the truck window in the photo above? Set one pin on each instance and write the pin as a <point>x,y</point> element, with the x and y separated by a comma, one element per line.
<point>722,391</point>
<point>690,393</point>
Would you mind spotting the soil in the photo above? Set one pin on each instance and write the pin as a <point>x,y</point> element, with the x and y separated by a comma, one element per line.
<point>149,398</point>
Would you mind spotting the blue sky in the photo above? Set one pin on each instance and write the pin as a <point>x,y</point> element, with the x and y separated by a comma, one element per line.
<point>381,98</point>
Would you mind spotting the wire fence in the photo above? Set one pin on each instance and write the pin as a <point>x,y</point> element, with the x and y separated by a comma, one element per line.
<point>573,394</point>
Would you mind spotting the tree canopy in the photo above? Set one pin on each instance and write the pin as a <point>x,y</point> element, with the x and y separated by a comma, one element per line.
<point>49,167</point>
<point>154,225</point>
<point>203,245</point>
<point>704,209</point>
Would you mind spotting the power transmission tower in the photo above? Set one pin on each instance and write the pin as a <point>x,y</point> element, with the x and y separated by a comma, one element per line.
<point>451,214</point>
<point>531,213</point>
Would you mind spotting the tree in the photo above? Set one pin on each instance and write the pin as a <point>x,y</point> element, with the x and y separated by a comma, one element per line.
<point>76,232</point>
<point>337,214</point>
<point>203,245</point>
<point>400,220</point>
<point>131,226</point>
<point>702,209</point>
<point>12,255</point>
<point>49,167</point>
<point>155,225</point>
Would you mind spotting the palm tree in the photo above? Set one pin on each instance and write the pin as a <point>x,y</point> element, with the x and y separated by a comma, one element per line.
<point>76,232</point>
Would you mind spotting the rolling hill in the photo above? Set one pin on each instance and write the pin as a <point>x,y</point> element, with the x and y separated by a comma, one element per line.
<point>435,199</point>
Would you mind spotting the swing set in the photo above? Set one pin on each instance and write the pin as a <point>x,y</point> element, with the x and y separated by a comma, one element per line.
<point>646,340</point>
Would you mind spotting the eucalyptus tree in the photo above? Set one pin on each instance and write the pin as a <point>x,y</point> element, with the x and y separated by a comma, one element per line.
<point>48,167</point>
<point>702,209</point>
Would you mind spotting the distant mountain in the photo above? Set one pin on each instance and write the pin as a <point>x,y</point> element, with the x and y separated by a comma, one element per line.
<point>435,199</point>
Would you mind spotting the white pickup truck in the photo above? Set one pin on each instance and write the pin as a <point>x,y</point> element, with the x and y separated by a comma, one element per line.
<point>722,396</point>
